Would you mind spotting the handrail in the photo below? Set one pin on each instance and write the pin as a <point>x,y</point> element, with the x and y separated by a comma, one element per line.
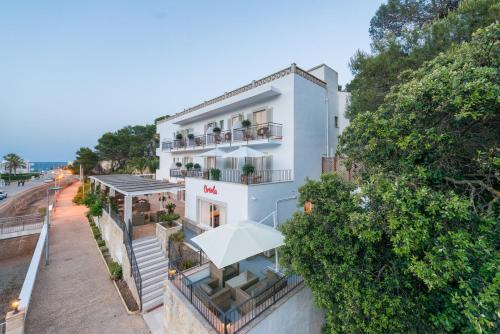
<point>134,267</point>
<point>29,280</point>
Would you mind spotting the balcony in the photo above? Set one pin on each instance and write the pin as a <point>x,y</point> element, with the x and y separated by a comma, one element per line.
<point>261,132</point>
<point>237,176</point>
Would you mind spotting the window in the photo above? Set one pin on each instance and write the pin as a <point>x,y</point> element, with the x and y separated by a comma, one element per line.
<point>211,214</point>
<point>259,117</point>
<point>336,121</point>
<point>236,121</point>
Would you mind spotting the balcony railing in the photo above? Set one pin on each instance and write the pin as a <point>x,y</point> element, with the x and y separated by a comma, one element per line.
<point>237,176</point>
<point>263,131</point>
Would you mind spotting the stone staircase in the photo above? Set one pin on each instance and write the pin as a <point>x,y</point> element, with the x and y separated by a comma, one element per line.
<point>153,266</point>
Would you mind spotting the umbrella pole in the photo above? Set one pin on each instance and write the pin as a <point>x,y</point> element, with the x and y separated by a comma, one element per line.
<point>277,266</point>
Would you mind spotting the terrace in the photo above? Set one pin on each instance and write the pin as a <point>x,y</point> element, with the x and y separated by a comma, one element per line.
<point>230,296</point>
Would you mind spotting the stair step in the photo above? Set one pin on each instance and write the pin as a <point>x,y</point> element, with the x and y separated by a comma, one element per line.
<point>152,304</point>
<point>154,280</point>
<point>152,295</point>
<point>153,287</point>
<point>148,263</point>
<point>157,272</point>
<point>144,241</point>
<point>141,247</point>
<point>158,265</point>
<point>146,251</point>
<point>149,256</point>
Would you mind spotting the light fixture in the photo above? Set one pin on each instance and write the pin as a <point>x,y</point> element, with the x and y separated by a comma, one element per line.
<point>15,305</point>
<point>171,273</point>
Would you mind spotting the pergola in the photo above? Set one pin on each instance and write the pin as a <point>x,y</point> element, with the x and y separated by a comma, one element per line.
<point>132,185</point>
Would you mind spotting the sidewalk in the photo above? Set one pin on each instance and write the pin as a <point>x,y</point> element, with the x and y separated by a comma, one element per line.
<point>74,294</point>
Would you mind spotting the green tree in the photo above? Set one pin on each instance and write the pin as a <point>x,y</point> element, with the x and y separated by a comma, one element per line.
<point>415,248</point>
<point>405,35</point>
<point>14,162</point>
<point>86,158</point>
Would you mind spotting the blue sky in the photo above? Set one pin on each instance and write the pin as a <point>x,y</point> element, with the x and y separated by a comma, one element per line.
<point>72,70</point>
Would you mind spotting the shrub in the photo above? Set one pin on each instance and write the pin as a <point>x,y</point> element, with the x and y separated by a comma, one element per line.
<point>171,207</point>
<point>178,136</point>
<point>115,270</point>
<point>186,264</point>
<point>189,166</point>
<point>177,237</point>
<point>178,164</point>
<point>101,243</point>
<point>190,136</point>
<point>96,209</point>
<point>215,174</point>
<point>246,123</point>
<point>197,166</point>
<point>42,212</point>
<point>169,218</point>
<point>248,169</point>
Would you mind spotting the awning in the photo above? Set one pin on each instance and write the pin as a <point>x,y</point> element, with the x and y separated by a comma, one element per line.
<point>231,243</point>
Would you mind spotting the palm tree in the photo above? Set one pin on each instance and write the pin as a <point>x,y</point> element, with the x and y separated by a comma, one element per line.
<point>14,162</point>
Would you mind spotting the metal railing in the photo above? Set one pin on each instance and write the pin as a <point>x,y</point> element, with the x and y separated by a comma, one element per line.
<point>268,130</point>
<point>257,132</point>
<point>238,316</point>
<point>115,217</point>
<point>237,176</point>
<point>2,327</point>
<point>20,223</point>
<point>134,267</point>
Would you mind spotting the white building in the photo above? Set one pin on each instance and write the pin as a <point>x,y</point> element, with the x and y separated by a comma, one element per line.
<point>295,119</point>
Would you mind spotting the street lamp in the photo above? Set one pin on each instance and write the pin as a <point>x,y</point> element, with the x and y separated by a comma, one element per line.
<point>49,189</point>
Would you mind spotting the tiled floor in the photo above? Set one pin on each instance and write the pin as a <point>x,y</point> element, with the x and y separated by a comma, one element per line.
<point>154,320</point>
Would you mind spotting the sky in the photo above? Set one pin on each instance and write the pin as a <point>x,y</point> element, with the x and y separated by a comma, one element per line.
<point>73,70</point>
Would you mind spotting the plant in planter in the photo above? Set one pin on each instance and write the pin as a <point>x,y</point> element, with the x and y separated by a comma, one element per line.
<point>170,207</point>
<point>115,270</point>
<point>190,136</point>
<point>217,132</point>
<point>189,166</point>
<point>248,169</point>
<point>215,174</point>
<point>178,164</point>
<point>246,124</point>
<point>178,136</point>
<point>168,219</point>
<point>196,166</point>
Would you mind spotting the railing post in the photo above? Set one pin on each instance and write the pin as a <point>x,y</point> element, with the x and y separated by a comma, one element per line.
<point>225,324</point>
<point>191,292</point>
<point>200,256</point>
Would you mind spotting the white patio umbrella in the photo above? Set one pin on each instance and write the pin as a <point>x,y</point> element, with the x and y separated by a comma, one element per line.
<point>244,152</point>
<point>231,243</point>
<point>216,152</point>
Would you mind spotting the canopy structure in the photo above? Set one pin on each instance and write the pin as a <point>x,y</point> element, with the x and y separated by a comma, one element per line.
<point>231,243</point>
<point>244,152</point>
<point>216,152</point>
<point>131,185</point>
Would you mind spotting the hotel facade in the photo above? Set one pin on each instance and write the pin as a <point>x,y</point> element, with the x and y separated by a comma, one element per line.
<point>295,118</point>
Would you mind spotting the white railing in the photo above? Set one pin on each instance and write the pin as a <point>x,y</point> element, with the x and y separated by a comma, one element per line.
<point>29,280</point>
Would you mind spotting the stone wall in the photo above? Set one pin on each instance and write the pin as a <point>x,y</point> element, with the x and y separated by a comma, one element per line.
<point>164,233</point>
<point>126,274</point>
<point>180,317</point>
<point>112,234</point>
<point>19,246</point>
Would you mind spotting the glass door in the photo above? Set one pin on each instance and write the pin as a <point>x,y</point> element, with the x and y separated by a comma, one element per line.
<point>211,214</point>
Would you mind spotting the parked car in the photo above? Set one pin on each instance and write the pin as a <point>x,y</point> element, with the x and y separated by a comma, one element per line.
<point>3,195</point>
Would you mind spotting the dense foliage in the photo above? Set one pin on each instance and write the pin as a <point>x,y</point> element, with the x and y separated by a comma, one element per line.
<point>87,159</point>
<point>413,246</point>
<point>405,35</point>
<point>128,145</point>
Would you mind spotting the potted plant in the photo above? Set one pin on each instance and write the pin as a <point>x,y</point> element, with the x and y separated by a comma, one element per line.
<point>170,207</point>
<point>215,174</point>
<point>246,124</point>
<point>178,136</point>
<point>191,136</point>
<point>197,166</point>
<point>189,166</point>
<point>247,170</point>
<point>178,164</point>
<point>169,219</point>
<point>217,132</point>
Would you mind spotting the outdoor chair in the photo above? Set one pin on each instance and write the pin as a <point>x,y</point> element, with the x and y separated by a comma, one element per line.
<point>259,292</point>
<point>220,297</point>
<point>225,273</point>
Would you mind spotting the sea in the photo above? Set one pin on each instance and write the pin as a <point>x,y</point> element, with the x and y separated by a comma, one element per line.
<point>43,166</point>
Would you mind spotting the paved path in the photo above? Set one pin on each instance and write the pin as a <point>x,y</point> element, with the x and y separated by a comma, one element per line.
<point>74,294</point>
